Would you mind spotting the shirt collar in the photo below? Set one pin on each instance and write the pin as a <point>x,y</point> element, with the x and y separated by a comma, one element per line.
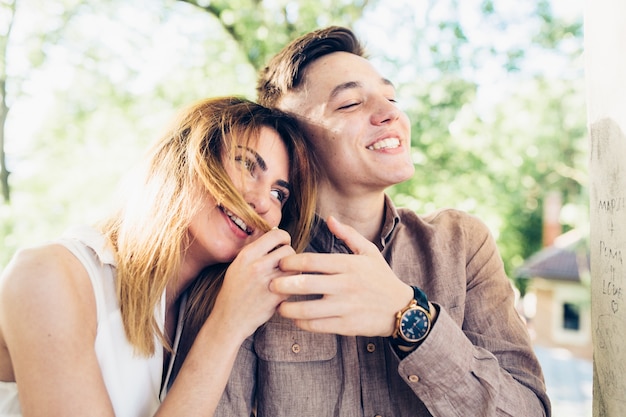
<point>392,218</point>
<point>323,241</point>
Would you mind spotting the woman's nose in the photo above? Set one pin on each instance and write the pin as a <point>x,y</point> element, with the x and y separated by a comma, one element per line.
<point>258,200</point>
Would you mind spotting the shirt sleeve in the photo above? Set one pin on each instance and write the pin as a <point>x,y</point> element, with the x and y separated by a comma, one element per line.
<point>483,363</point>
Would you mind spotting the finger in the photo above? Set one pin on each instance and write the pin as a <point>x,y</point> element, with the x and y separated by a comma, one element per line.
<point>268,242</point>
<point>318,263</point>
<point>334,325</point>
<point>305,284</point>
<point>315,309</point>
<point>326,316</point>
<point>275,255</point>
<point>353,239</point>
<point>324,325</point>
<point>264,268</point>
<point>278,237</point>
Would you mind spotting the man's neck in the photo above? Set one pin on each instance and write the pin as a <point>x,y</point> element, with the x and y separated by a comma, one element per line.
<point>364,212</point>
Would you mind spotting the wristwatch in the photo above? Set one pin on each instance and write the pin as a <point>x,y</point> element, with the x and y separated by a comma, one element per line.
<point>413,322</point>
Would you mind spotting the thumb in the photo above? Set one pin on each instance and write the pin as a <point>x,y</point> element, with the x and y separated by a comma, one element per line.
<point>354,240</point>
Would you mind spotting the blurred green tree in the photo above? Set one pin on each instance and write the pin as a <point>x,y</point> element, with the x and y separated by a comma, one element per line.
<point>8,12</point>
<point>262,28</point>
<point>496,122</point>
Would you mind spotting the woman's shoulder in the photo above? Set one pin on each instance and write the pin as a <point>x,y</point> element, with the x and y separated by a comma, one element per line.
<point>40,280</point>
<point>32,264</point>
<point>47,316</point>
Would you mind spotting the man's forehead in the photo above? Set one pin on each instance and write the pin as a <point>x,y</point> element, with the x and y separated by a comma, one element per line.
<point>348,85</point>
<point>330,75</point>
<point>339,68</point>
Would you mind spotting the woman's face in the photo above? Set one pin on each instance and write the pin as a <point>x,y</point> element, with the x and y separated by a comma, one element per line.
<point>261,173</point>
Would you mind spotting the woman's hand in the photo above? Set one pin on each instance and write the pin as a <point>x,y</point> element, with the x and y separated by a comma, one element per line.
<point>245,301</point>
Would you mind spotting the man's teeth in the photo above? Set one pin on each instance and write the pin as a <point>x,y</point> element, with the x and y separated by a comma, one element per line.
<point>240,223</point>
<point>388,143</point>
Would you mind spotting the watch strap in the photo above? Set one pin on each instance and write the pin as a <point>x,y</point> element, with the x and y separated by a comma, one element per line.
<point>420,298</point>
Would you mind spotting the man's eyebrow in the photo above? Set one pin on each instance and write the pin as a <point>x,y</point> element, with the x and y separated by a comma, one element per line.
<point>354,84</point>
<point>345,86</point>
<point>387,82</point>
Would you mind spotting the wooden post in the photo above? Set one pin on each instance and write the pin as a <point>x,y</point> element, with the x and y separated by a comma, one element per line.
<point>605,63</point>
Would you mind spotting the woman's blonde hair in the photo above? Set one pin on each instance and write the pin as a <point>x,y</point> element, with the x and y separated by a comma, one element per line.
<point>149,232</point>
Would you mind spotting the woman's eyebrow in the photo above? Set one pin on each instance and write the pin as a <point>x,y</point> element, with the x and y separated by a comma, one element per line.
<point>284,184</point>
<point>259,159</point>
<point>263,166</point>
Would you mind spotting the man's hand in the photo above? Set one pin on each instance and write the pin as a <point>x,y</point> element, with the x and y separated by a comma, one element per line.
<point>360,293</point>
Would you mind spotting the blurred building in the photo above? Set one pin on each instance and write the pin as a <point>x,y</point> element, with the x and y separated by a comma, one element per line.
<point>557,303</point>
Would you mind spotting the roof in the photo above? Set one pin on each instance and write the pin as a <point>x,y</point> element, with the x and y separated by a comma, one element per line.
<point>564,260</point>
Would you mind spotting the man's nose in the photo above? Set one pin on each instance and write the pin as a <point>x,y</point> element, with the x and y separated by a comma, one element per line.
<point>384,112</point>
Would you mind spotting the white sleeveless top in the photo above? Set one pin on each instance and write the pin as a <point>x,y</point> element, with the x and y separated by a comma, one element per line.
<point>133,382</point>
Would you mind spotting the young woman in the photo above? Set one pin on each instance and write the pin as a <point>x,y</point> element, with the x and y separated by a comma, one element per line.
<point>87,322</point>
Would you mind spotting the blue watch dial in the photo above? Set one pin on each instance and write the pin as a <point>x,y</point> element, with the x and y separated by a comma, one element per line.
<point>414,324</point>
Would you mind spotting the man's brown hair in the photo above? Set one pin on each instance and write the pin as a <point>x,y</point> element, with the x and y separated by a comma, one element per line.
<point>284,71</point>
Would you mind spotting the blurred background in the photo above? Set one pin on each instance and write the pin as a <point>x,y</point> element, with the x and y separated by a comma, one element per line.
<point>494,89</point>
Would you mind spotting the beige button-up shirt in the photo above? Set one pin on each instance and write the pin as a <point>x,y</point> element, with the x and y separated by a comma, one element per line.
<point>477,361</point>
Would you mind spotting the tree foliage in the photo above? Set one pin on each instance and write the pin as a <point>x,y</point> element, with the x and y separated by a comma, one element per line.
<point>262,28</point>
<point>7,14</point>
<point>492,131</point>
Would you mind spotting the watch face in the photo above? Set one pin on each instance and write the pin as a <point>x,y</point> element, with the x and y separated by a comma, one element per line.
<point>414,325</point>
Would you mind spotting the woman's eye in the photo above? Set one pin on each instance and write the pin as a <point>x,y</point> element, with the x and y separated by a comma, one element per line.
<point>279,195</point>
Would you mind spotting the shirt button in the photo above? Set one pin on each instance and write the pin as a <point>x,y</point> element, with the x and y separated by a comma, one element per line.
<point>414,378</point>
<point>371,347</point>
<point>295,348</point>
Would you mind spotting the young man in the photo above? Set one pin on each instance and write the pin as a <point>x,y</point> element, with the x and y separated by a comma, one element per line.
<point>391,314</point>
<point>416,315</point>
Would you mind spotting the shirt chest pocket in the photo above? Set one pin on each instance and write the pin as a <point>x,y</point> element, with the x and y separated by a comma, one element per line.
<point>281,341</point>
<point>298,373</point>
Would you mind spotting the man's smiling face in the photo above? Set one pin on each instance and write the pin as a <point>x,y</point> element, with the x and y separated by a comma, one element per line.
<point>349,112</point>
